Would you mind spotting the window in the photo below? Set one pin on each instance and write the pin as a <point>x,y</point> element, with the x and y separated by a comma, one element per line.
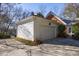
<point>69,29</point>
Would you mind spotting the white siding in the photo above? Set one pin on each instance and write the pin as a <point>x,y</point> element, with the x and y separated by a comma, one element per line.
<point>25,31</point>
<point>37,28</point>
<point>43,31</point>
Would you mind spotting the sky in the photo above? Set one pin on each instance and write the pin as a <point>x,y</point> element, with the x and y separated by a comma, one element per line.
<point>57,8</point>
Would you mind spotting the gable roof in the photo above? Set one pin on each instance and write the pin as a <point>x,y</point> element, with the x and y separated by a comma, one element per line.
<point>60,20</point>
<point>32,18</point>
<point>26,20</point>
<point>52,16</point>
<point>51,13</point>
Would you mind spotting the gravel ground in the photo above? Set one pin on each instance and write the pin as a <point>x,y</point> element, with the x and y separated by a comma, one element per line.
<point>53,47</point>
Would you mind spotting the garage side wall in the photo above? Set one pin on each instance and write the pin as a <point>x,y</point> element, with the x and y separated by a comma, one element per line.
<point>44,31</point>
<point>26,31</point>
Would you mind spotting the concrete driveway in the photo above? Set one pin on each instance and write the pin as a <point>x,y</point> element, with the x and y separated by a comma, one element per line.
<point>53,47</point>
<point>63,41</point>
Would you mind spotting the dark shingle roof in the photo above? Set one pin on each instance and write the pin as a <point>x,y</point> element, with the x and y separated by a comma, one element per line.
<point>50,13</point>
<point>67,21</point>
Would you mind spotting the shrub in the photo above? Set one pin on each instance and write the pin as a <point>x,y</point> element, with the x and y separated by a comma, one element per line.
<point>61,31</point>
<point>75,28</point>
<point>3,35</point>
<point>61,28</point>
<point>28,42</point>
<point>76,36</point>
<point>40,15</point>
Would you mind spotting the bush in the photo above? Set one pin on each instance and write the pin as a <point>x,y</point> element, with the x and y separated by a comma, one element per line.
<point>40,15</point>
<point>28,42</point>
<point>61,28</point>
<point>61,31</point>
<point>75,28</point>
<point>76,36</point>
<point>3,35</point>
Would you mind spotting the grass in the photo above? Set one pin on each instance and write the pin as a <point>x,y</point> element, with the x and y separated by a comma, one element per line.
<point>4,35</point>
<point>28,42</point>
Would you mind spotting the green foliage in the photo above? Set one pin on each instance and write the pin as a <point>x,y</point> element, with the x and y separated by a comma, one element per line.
<point>61,28</point>
<point>3,35</point>
<point>75,28</point>
<point>28,42</point>
<point>40,15</point>
<point>76,35</point>
<point>61,31</point>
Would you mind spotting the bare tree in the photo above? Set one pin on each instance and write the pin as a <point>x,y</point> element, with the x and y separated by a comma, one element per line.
<point>9,13</point>
<point>71,10</point>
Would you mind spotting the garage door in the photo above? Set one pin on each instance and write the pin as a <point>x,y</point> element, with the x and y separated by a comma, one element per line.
<point>47,32</point>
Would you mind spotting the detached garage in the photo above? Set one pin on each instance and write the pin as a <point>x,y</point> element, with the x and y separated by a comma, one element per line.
<point>36,28</point>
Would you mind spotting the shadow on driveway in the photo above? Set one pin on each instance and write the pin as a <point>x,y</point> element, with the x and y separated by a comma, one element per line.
<point>62,41</point>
